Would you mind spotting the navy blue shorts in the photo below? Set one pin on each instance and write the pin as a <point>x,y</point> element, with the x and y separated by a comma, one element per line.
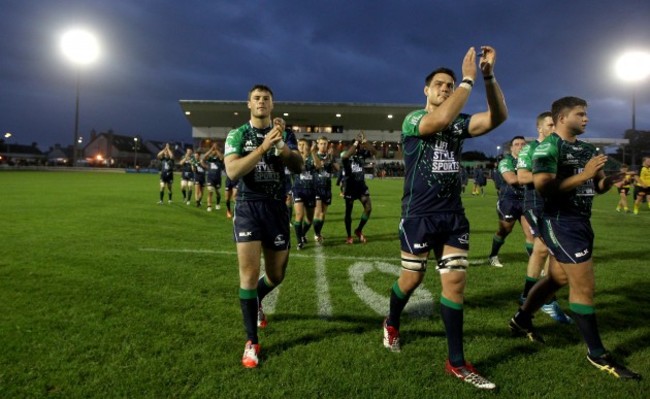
<point>306,197</point>
<point>354,191</point>
<point>199,179</point>
<point>533,217</point>
<point>265,221</point>
<point>213,180</point>
<point>422,234</point>
<point>167,177</point>
<point>570,240</point>
<point>325,195</point>
<point>189,176</point>
<point>509,210</point>
<point>231,184</point>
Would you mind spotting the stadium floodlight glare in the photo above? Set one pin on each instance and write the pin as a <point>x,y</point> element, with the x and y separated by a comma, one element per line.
<point>80,47</point>
<point>7,137</point>
<point>633,66</point>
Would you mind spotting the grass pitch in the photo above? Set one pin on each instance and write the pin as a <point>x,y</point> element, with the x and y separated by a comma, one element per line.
<point>106,294</point>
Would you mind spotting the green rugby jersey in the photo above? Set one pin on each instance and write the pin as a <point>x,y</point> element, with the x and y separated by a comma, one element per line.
<point>532,199</point>
<point>166,165</point>
<point>197,166</point>
<point>565,159</point>
<point>305,179</point>
<point>215,165</point>
<point>507,191</point>
<point>353,167</point>
<point>323,177</point>
<point>266,180</point>
<point>432,165</point>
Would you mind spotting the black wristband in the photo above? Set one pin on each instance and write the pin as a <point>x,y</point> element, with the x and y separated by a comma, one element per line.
<point>488,77</point>
<point>468,81</point>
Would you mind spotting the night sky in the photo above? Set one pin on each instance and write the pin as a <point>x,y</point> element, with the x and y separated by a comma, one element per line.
<point>155,53</point>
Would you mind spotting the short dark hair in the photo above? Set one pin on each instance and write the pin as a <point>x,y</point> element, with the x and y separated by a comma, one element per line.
<point>517,138</point>
<point>542,116</point>
<point>564,103</point>
<point>260,87</point>
<point>440,70</point>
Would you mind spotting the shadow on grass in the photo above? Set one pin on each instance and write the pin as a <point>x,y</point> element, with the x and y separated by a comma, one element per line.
<point>330,327</point>
<point>621,314</point>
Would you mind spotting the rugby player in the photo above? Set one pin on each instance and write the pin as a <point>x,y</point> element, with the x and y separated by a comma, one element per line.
<point>198,167</point>
<point>568,172</point>
<point>214,160</point>
<point>323,185</point>
<point>533,207</point>
<point>642,186</point>
<point>166,157</point>
<point>257,153</point>
<point>509,204</point>
<point>230,192</point>
<point>187,176</point>
<point>433,217</point>
<point>355,185</point>
<point>623,188</point>
<point>304,192</point>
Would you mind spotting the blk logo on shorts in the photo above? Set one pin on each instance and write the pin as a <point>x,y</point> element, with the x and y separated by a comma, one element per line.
<point>582,253</point>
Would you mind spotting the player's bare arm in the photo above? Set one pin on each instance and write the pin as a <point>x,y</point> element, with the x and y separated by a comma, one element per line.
<point>524,176</point>
<point>548,185</point>
<point>354,147</point>
<point>604,183</point>
<point>497,111</point>
<point>510,178</point>
<point>237,166</point>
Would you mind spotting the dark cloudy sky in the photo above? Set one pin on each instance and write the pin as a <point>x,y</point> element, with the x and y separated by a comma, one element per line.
<point>156,52</point>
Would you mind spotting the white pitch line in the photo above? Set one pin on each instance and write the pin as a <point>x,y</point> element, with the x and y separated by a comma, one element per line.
<point>395,259</point>
<point>271,299</point>
<point>322,288</point>
<point>293,254</point>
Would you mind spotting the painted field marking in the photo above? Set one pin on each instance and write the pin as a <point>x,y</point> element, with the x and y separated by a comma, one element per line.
<point>322,288</point>
<point>420,304</point>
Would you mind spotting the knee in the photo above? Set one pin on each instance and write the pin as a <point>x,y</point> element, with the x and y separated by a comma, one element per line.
<point>454,289</point>
<point>410,281</point>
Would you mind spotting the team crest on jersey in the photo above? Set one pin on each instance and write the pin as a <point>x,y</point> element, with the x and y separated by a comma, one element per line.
<point>456,126</point>
<point>249,146</point>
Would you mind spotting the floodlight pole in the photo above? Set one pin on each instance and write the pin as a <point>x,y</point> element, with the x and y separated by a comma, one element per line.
<point>76,123</point>
<point>136,142</point>
<point>634,108</point>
